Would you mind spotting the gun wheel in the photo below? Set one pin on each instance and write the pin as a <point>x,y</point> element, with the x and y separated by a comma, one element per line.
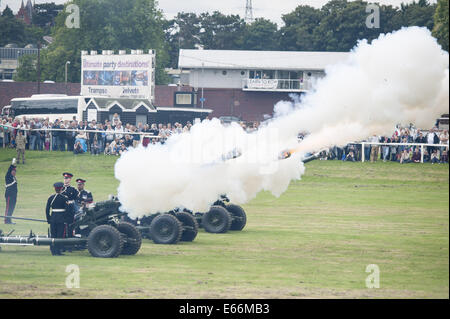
<point>238,215</point>
<point>217,220</point>
<point>166,229</point>
<point>133,239</point>
<point>190,226</point>
<point>105,241</point>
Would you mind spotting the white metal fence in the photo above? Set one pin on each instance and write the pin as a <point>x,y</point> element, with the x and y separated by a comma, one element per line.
<point>84,131</point>
<point>149,135</point>
<point>421,145</point>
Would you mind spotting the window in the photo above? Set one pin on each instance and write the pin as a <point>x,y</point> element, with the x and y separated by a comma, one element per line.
<point>183,99</point>
<point>141,118</point>
<point>255,74</point>
<point>110,116</point>
<point>41,106</point>
<point>283,74</point>
<point>268,74</point>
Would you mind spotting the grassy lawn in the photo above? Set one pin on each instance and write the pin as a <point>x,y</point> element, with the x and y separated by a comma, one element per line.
<point>316,240</point>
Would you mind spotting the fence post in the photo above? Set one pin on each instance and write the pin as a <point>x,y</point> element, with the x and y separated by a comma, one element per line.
<point>363,152</point>
<point>421,153</point>
<point>51,141</point>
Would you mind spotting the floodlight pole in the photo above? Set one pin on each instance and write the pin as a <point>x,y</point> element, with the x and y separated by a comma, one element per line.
<point>39,68</point>
<point>203,79</point>
<point>67,62</point>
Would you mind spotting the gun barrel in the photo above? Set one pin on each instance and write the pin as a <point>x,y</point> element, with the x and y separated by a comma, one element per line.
<point>23,218</point>
<point>310,158</point>
<point>41,241</point>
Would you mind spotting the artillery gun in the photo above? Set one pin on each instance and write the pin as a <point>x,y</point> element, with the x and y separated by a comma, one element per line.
<point>182,224</point>
<point>222,217</point>
<point>98,229</point>
<point>167,228</point>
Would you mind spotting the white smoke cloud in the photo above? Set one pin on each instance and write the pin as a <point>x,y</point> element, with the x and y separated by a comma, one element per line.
<point>402,77</point>
<point>399,78</point>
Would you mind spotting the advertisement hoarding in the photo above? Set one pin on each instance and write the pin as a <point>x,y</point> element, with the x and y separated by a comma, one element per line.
<point>118,76</point>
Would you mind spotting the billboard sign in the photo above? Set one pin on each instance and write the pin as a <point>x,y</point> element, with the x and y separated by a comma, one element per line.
<point>118,76</point>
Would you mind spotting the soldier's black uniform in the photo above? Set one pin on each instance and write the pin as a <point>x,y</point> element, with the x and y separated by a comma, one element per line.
<point>58,205</point>
<point>71,193</point>
<point>84,196</point>
<point>10,193</point>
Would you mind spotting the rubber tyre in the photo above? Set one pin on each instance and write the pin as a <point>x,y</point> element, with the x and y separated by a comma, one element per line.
<point>217,220</point>
<point>166,229</point>
<point>187,219</point>
<point>130,231</point>
<point>105,241</point>
<point>238,215</point>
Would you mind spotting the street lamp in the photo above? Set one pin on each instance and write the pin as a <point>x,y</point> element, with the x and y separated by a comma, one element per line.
<point>18,57</point>
<point>203,78</point>
<point>68,62</point>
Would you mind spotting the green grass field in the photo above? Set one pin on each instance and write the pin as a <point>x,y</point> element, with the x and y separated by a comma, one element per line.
<point>315,241</point>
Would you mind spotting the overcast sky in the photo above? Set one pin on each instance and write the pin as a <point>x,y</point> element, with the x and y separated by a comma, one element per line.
<point>269,9</point>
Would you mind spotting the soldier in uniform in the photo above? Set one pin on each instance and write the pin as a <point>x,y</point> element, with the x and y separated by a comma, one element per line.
<point>71,194</point>
<point>10,191</point>
<point>68,190</point>
<point>84,197</point>
<point>58,204</point>
<point>21,141</point>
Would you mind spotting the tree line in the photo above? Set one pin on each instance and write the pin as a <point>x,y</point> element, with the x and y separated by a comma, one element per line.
<point>140,24</point>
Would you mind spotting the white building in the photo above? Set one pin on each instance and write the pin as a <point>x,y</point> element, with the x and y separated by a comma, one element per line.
<point>277,71</point>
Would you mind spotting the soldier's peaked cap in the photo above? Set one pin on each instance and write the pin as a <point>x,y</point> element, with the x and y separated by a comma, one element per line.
<point>81,181</point>
<point>67,174</point>
<point>58,185</point>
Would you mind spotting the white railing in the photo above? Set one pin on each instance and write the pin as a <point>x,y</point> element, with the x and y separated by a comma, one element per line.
<point>85,131</point>
<point>422,145</point>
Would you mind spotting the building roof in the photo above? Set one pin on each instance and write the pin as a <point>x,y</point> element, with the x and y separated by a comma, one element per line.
<point>267,60</point>
<point>125,104</point>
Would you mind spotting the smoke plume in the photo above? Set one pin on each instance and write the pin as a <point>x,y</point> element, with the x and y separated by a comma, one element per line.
<point>400,77</point>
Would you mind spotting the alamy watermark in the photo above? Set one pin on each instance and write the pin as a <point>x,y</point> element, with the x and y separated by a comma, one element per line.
<point>373,280</point>
<point>373,19</point>
<point>73,19</point>
<point>73,277</point>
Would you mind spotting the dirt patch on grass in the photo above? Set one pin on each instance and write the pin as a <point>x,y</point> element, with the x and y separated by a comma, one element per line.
<point>201,291</point>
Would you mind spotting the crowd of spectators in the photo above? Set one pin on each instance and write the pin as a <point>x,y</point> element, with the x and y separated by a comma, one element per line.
<point>110,138</point>
<point>402,153</point>
<point>113,138</point>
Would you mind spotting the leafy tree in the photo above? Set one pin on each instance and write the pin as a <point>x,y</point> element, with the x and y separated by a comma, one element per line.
<point>221,32</point>
<point>182,32</point>
<point>440,30</point>
<point>297,33</point>
<point>45,14</point>
<point>16,31</point>
<point>339,24</point>
<point>7,12</point>
<point>418,14</point>
<point>343,23</point>
<point>27,68</point>
<point>107,25</point>
<point>262,34</point>
<point>12,30</point>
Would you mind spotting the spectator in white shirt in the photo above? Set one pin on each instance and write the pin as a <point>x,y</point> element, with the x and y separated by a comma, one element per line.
<point>119,131</point>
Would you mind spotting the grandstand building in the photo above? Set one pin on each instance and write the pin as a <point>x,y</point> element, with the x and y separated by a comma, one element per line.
<point>268,71</point>
<point>247,84</point>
